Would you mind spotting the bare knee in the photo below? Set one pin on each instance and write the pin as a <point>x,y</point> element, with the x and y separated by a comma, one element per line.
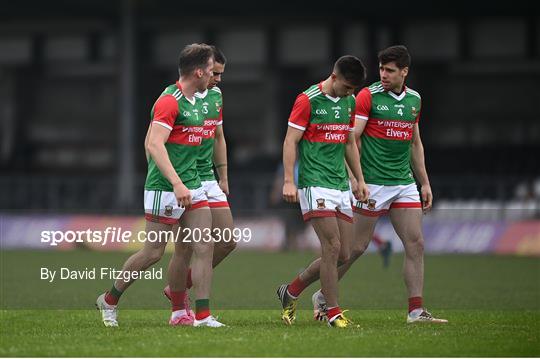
<point>203,249</point>
<point>331,249</point>
<point>414,243</point>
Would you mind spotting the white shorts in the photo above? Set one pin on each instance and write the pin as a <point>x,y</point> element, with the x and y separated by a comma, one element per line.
<point>324,202</point>
<point>383,198</point>
<point>162,207</point>
<point>216,197</point>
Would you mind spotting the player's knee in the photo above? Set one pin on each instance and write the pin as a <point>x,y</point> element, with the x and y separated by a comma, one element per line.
<point>332,248</point>
<point>416,243</point>
<point>203,249</point>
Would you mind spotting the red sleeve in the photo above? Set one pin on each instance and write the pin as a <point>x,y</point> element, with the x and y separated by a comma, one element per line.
<point>363,104</point>
<point>166,111</point>
<point>300,113</point>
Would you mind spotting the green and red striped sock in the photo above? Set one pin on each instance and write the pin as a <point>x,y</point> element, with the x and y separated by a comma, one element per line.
<point>113,296</point>
<point>202,308</point>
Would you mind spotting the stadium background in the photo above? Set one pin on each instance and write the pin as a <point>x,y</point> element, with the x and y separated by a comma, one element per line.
<point>78,79</point>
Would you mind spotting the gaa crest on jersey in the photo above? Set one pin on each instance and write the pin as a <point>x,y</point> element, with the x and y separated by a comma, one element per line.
<point>168,211</point>
<point>320,203</point>
<point>218,107</point>
<point>371,203</point>
<point>413,110</point>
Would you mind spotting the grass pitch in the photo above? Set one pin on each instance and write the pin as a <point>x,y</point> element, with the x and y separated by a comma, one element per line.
<point>493,304</point>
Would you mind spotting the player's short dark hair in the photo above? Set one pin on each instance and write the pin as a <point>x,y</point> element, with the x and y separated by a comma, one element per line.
<point>398,54</point>
<point>219,57</point>
<point>193,57</point>
<point>352,69</point>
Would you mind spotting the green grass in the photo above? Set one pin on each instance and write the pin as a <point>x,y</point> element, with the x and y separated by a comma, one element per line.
<point>493,304</point>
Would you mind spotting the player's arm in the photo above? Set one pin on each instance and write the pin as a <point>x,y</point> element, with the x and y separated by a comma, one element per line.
<point>419,168</point>
<point>292,138</point>
<point>352,158</point>
<point>165,112</point>
<point>298,123</point>
<point>220,159</point>
<point>358,130</point>
<point>358,120</point>
<point>146,143</point>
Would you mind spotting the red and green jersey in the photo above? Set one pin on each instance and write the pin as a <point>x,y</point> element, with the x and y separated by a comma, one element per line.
<point>387,137</point>
<point>326,122</point>
<point>212,103</point>
<point>185,119</point>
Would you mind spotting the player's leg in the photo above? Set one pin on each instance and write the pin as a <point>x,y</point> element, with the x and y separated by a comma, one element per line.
<point>151,253</point>
<point>406,217</point>
<point>177,293</point>
<point>407,223</point>
<point>365,220</point>
<point>201,263</point>
<point>222,229</point>
<point>362,231</point>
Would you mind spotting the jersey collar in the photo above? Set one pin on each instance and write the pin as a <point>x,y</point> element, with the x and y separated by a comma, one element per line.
<point>202,94</point>
<point>333,99</point>
<point>180,88</point>
<point>401,96</point>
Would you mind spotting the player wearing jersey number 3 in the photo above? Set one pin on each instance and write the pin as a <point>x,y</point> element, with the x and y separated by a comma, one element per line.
<point>321,127</point>
<point>387,115</point>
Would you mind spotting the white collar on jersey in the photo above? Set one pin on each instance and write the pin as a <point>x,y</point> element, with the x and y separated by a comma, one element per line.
<point>400,96</point>
<point>201,94</point>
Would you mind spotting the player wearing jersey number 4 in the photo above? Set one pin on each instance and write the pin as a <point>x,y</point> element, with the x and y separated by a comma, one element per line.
<point>321,127</point>
<point>387,115</point>
<point>212,152</point>
<point>173,189</point>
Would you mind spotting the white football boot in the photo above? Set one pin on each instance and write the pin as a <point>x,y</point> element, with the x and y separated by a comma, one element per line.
<point>319,306</point>
<point>423,316</point>
<point>209,321</point>
<point>109,312</point>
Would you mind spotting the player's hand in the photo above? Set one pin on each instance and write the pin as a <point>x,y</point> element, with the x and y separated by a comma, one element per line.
<point>290,192</point>
<point>224,185</point>
<point>362,191</point>
<point>182,194</point>
<point>427,198</point>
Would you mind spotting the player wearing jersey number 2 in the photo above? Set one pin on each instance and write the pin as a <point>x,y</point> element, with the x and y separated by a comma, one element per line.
<point>387,116</point>
<point>321,127</point>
